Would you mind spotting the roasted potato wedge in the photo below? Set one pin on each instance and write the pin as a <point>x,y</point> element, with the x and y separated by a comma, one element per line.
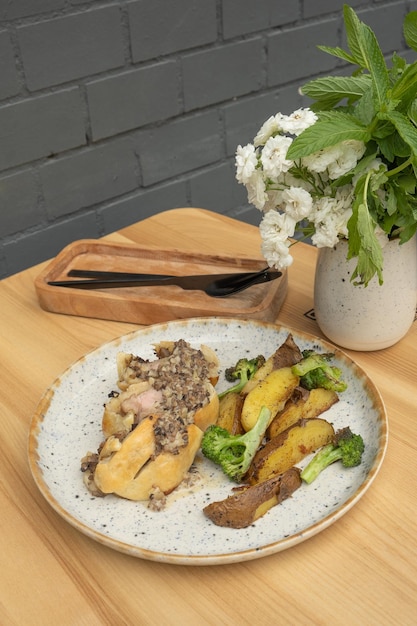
<point>314,404</point>
<point>286,355</point>
<point>248,504</point>
<point>272,392</point>
<point>289,448</point>
<point>230,410</point>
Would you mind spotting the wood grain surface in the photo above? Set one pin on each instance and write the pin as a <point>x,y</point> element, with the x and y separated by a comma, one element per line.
<point>143,306</point>
<point>362,570</point>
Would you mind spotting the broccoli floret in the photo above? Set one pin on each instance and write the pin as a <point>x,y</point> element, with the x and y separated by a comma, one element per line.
<point>242,371</point>
<point>346,447</point>
<point>234,453</point>
<point>314,371</point>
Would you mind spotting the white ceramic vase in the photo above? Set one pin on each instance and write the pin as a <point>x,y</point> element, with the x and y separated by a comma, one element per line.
<point>372,317</point>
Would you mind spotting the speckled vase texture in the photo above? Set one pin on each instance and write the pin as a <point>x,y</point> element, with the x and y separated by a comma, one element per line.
<point>372,317</point>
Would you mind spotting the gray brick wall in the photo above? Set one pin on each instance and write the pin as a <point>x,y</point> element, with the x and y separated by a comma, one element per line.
<point>114,110</point>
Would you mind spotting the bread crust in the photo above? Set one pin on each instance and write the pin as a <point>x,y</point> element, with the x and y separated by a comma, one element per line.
<point>133,463</point>
<point>134,472</point>
<point>164,473</point>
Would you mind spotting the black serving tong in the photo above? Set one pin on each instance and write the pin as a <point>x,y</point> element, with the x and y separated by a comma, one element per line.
<point>215,285</point>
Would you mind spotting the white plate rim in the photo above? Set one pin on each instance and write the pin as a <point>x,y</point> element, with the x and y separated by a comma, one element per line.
<point>41,413</point>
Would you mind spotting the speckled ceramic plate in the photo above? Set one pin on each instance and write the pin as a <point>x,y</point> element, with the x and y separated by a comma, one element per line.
<point>67,424</point>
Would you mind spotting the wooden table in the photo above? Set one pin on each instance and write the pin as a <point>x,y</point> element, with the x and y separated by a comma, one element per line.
<point>362,570</point>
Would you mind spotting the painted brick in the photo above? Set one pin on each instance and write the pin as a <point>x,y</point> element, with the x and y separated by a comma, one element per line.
<point>247,214</point>
<point>216,188</point>
<point>138,72</point>
<point>39,127</point>
<point>313,8</point>
<point>133,99</point>
<point>19,205</point>
<point>9,84</point>
<point>45,243</point>
<point>178,147</point>
<point>65,48</point>
<point>3,265</point>
<point>293,53</point>
<point>289,99</point>
<point>243,118</point>
<point>143,204</point>
<point>245,16</point>
<point>222,73</point>
<point>25,8</point>
<point>179,25</point>
<point>94,175</point>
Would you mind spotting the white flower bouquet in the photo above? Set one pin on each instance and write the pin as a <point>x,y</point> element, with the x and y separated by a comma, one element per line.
<point>345,167</point>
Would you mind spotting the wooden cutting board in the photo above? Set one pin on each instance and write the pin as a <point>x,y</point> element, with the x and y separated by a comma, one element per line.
<point>149,305</point>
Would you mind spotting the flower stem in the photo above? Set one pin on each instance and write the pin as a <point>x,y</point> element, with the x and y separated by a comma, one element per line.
<point>365,189</point>
<point>399,168</point>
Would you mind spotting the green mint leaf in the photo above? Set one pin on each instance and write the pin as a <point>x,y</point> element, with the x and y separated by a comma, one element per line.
<point>398,65</point>
<point>405,218</point>
<point>364,47</point>
<point>404,127</point>
<point>412,112</point>
<point>354,34</point>
<point>407,183</point>
<point>364,109</point>
<point>363,165</point>
<point>336,88</point>
<point>405,88</point>
<point>391,201</point>
<point>377,67</point>
<point>377,179</point>
<point>383,129</point>
<point>408,231</point>
<point>393,146</point>
<point>337,52</point>
<point>333,128</point>
<point>370,256</point>
<point>410,30</point>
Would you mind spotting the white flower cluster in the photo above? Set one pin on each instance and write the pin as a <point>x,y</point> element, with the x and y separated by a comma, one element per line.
<point>296,194</point>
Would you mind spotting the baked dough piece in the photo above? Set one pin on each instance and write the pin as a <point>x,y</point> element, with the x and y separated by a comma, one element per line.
<point>153,427</point>
<point>132,472</point>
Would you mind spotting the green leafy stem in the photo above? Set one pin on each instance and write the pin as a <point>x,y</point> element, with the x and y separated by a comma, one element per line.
<point>378,106</point>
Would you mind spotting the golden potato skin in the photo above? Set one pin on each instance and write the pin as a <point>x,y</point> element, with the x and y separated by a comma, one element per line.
<point>289,448</point>
<point>230,410</point>
<point>317,402</point>
<point>285,355</point>
<point>248,504</point>
<point>272,392</point>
